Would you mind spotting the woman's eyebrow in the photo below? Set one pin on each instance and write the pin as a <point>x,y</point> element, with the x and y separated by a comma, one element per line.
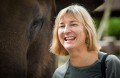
<point>61,23</point>
<point>73,21</point>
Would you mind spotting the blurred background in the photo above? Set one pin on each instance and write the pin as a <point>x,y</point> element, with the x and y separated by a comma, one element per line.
<point>106,14</point>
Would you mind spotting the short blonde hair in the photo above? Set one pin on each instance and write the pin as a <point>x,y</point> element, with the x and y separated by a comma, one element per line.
<point>82,15</point>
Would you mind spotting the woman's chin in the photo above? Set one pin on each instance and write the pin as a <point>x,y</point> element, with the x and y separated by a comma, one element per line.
<point>68,46</point>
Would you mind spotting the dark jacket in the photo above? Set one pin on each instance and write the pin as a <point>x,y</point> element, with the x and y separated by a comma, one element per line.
<point>112,71</point>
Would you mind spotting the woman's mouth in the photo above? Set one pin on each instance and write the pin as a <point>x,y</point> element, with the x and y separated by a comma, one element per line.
<point>69,38</point>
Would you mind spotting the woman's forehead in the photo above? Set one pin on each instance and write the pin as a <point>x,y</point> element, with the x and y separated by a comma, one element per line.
<point>71,16</point>
<point>69,19</point>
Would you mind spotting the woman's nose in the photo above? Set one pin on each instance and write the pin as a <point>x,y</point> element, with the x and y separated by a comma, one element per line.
<point>67,30</point>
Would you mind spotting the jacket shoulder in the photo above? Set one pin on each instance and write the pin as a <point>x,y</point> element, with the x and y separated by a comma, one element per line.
<point>60,71</point>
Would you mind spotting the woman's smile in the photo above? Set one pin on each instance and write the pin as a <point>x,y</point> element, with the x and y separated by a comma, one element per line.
<point>71,38</point>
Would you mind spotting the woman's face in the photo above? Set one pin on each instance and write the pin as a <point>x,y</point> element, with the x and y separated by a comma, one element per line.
<point>71,33</point>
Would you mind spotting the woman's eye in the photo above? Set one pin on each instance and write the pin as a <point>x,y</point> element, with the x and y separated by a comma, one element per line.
<point>73,24</point>
<point>61,26</point>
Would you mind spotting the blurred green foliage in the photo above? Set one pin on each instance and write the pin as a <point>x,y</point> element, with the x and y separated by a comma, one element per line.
<point>113,26</point>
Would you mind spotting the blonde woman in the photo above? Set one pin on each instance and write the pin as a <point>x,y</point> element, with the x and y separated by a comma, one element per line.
<point>74,34</point>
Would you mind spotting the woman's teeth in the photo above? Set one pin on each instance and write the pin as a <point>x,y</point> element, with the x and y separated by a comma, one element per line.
<point>69,38</point>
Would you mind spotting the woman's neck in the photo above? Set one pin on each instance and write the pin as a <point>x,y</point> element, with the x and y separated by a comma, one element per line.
<point>84,58</point>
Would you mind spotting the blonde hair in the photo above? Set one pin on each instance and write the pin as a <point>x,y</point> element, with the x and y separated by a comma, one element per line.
<point>82,15</point>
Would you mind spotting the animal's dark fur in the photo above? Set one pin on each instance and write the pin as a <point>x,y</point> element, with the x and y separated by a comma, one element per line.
<point>25,33</point>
